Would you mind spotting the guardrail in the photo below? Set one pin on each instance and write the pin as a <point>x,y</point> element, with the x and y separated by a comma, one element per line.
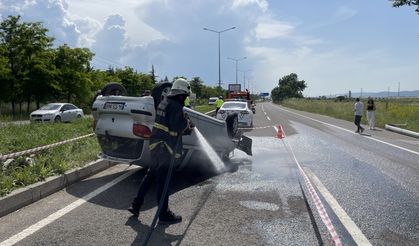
<point>401,131</point>
<point>34,150</point>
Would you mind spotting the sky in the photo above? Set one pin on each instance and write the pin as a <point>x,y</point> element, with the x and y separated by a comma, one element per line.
<point>334,46</point>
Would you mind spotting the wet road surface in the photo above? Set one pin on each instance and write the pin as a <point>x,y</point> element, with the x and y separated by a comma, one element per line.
<point>261,200</point>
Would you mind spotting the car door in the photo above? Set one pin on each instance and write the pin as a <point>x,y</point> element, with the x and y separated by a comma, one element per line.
<point>65,113</point>
<point>72,112</point>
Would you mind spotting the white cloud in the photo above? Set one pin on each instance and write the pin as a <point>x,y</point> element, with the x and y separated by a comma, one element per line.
<point>53,14</point>
<point>344,13</point>
<point>270,29</point>
<point>110,41</point>
<point>262,4</point>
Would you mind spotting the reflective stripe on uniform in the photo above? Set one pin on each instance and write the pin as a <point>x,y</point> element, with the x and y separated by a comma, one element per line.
<point>165,128</point>
<point>154,145</point>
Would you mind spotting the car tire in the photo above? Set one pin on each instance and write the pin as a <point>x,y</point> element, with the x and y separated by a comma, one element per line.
<point>160,91</point>
<point>113,89</point>
<point>232,122</point>
<point>57,119</point>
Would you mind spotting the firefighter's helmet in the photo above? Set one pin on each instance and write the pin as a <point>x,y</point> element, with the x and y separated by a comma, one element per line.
<point>180,87</point>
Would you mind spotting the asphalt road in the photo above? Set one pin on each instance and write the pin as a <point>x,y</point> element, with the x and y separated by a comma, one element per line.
<point>368,186</point>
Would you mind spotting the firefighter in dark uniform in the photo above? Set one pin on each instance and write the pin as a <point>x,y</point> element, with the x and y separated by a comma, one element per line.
<point>170,124</point>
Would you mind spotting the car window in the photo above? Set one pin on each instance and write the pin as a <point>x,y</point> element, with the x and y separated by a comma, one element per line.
<point>70,106</point>
<point>234,105</point>
<point>65,107</point>
<point>50,107</point>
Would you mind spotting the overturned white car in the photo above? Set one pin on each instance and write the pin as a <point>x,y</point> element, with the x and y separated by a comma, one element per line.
<point>123,127</point>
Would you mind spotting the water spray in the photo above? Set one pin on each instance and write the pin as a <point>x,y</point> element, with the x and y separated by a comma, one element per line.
<point>210,152</point>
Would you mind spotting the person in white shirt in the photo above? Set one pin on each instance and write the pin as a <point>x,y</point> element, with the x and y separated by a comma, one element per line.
<point>358,108</point>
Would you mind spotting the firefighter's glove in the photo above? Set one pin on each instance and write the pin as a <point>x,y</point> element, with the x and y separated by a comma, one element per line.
<point>190,126</point>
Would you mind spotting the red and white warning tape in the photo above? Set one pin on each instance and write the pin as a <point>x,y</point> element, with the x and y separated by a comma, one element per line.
<point>316,199</point>
<point>255,128</point>
<point>30,151</point>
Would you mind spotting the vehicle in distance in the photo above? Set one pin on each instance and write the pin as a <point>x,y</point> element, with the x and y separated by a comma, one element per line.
<point>241,108</point>
<point>56,112</point>
<point>211,100</point>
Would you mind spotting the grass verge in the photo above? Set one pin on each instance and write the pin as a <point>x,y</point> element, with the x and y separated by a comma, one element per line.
<point>204,108</point>
<point>393,111</point>
<point>54,161</point>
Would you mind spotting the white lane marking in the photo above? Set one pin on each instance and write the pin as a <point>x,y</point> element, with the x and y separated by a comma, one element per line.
<point>51,218</point>
<point>369,137</point>
<point>344,218</point>
<point>267,117</point>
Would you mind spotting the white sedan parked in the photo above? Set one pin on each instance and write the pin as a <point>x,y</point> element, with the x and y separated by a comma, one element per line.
<point>244,113</point>
<point>56,112</point>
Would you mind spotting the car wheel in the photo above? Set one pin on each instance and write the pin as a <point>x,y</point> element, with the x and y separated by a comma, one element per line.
<point>57,119</point>
<point>160,92</point>
<point>78,116</point>
<point>113,89</point>
<point>232,122</point>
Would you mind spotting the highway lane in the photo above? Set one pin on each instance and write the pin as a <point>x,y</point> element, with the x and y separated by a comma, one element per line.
<point>375,182</point>
<point>261,200</point>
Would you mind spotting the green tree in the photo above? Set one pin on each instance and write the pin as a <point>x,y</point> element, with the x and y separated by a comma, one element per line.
<point>5,77</point>
<point>73,66</point>
<point>146,82</point>
<point>130,80</point>
<point>152,74</point>
<point>21,43</point>
<point>196,86</point>
<point>288,86</point>
<point>43,84</point>
<point>399,3</point>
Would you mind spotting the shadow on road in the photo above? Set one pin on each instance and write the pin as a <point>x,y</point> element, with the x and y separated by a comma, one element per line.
<point>120,196</point>
<point>159,237</point>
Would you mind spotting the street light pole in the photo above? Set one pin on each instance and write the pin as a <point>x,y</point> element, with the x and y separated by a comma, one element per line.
<point>236,60</point>
<point>244,76</point>
<point>219,50</point>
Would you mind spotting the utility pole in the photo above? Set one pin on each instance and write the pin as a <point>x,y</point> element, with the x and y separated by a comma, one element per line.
<point>361,93</point>
<point>219,50</point>
<point>244,76</point>
<point>398,91</point>
<point>236,60</point>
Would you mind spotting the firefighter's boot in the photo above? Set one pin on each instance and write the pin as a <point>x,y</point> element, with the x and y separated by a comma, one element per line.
<point>169,218</point>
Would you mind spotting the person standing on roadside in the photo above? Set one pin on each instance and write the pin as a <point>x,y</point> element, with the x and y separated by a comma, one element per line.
<point>358,108</point>
<point>371,113</point>
<point>218,103</point>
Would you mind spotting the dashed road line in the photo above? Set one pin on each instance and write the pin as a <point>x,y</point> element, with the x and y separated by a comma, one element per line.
<point>53,217</point>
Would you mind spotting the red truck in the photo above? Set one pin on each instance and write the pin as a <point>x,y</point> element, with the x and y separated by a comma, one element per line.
<point>235,93</point>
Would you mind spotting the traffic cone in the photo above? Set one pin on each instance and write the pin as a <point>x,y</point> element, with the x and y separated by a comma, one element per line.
<point>280,133</point>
